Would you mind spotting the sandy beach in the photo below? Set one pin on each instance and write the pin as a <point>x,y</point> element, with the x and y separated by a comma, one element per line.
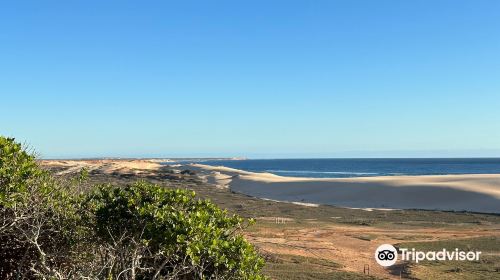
<point>475,193</point>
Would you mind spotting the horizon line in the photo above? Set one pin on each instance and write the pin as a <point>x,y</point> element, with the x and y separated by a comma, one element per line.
<point>256,158</point>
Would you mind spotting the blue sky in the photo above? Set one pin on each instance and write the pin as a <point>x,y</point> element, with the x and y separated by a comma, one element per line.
<point>251,78</point>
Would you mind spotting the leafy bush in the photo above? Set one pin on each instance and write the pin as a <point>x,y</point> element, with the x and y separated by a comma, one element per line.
<point>142,231</point>
<point>18,169</point>
<point>188,172</point>
<point>168,233</point>
<point>37,217</point>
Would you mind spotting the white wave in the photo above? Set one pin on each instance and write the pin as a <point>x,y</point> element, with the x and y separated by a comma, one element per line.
<point>322,172</point>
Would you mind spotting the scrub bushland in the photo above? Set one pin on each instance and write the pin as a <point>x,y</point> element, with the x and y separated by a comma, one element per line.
<point>51,228</point>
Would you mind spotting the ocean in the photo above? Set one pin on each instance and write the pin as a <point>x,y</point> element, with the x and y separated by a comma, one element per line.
<point>342,168</point>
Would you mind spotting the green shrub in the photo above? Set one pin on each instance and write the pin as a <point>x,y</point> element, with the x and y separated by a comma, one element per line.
<point>38,221</point>
<point>173,234</point>
<point>18,170</point>
<point>142,231</point>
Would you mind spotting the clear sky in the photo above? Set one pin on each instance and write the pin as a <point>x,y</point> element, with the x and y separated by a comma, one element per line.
<point>251,78</point>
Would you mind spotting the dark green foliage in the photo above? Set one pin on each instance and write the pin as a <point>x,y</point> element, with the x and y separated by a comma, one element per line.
<point>188,172</point>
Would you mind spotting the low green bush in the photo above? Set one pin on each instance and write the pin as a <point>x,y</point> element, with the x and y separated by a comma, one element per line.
<point>169,232</point>
<point>38,219</point>
<point>142,231</point>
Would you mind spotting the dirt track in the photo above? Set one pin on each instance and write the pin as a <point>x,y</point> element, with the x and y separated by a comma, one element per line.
<point>348,245</point>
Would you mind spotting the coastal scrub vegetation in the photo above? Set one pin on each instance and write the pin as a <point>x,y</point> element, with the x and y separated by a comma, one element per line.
<point>51,228</point>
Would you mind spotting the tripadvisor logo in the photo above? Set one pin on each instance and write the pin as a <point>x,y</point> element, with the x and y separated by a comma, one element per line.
<point>387,255</point>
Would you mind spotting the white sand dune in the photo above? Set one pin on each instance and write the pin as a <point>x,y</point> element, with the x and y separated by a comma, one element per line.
<point>103,165</point>
<point>476,193</point>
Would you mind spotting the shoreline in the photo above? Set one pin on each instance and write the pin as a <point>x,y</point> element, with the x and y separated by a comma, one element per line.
<point>469,192</point>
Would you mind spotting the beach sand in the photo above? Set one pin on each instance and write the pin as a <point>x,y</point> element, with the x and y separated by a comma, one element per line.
<point>474,193</point>
<point>106,166</point>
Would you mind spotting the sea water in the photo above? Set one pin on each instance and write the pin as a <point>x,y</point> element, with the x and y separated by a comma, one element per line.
<point>342,168</point>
